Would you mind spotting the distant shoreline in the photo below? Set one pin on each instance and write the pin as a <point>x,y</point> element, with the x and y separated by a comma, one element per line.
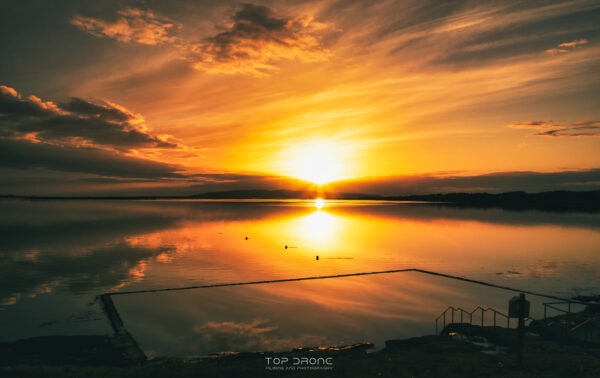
<point>558,201</point>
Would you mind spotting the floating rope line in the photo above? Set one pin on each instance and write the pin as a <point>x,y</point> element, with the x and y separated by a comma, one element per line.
<point>443,275</point>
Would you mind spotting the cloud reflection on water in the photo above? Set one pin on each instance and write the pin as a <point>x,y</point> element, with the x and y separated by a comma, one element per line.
<point>83,248</point>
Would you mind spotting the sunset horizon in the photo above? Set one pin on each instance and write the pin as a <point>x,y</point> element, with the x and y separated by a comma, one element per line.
<point>165,99</point>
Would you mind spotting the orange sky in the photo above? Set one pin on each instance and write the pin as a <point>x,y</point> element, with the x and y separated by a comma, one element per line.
<point>321,91</point>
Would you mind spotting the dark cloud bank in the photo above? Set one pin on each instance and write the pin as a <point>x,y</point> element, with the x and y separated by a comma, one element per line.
<point>76,121</point>
<point>493,183</point>
<point>77,136</point>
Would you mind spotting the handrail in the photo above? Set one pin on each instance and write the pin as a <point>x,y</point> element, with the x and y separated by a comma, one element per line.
<point>470,314</point>
<point>586,325</point>
<point>567,326</point>
<point>583,323</point>
<point>567,311</point>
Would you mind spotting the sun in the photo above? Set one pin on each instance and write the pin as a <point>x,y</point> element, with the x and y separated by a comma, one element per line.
<point>317,162</point>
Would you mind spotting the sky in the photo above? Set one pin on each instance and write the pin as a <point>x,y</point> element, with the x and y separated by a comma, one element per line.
<point>388,97</point>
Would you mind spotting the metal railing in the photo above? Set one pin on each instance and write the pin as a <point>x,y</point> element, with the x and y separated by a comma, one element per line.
<point>567,321</point>
<point>463,313</point>
<point>553,306</point>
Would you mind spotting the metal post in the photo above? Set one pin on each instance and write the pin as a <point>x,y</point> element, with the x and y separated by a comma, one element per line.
<point>545,307</point>
<point>588,331</point>
<point>494,319</point>
<point>521,330</point>
<point>482,317</point>
<point>444,326</point>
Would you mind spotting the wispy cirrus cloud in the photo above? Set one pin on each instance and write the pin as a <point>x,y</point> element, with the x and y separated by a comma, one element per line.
<point>573,44</point>
<point>567,46</point>
<point>254,39</point>
<point>552,129</point>
<point>133,25</point>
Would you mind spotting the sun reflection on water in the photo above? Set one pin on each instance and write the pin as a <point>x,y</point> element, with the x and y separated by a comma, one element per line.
<point>319,228</point>
<point>319,203</point>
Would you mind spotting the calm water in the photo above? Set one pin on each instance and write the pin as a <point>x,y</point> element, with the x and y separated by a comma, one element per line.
<point>56,256</point>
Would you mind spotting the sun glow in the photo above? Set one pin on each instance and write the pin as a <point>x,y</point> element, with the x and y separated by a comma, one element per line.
<point>319,203</point>
<point>318,229</point>
<point>318,162</point>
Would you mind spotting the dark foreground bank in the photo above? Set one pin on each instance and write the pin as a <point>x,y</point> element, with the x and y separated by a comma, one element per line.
<point>453,355</point>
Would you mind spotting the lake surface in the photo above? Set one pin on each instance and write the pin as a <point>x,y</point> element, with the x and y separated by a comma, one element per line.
<point>57,256</point>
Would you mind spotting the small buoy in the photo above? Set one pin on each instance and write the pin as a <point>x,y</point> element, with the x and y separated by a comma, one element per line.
<point>317,258</point>
<point>286,247</point>
<point>246,238</point>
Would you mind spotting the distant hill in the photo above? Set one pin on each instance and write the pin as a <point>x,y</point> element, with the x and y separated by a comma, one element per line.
<point>550,201</point>
<point>556,200</point>
<point>560,201</point>
<point>278,194</point>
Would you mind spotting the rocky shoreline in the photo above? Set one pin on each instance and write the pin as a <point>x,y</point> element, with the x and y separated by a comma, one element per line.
<point>451,354</point>
<point>461,350</point>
